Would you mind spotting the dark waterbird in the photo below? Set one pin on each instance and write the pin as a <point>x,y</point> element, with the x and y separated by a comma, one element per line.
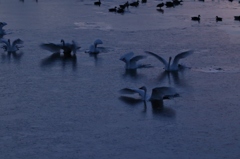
<point>160,5</point>
<point>125,5</point>
<point>112,9</point>
<point>144,1</point>
<point>134,4</point>
<point>169,4</point>
<point>196,18</point>
<point>237,18</point>
<point>98,3</point>
<point>218,19</point>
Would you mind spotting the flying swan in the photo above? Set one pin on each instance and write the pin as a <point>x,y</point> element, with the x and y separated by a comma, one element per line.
<point>174,66</point>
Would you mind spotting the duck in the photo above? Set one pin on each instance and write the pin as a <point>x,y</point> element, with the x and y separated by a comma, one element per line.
<point>11,47</point>
<point>134,4</point>
<point>124,5</point>
<point>236,17</point>
<point>120,10</point>
<point>112,9</point>
<point>160,5</point>
<point>169,4</point>
<point>66,47</point>
<point>98,3</point>
<point>174,66</point>
<point>218,19</point>
<point>131,61</point>
<point>158,93</point>
<point>196,18</point>
<point>144,1</point>
<point>2,31</point>
<point>93,49</point>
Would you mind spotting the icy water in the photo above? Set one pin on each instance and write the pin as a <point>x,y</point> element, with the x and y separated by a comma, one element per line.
<point>72,108</point>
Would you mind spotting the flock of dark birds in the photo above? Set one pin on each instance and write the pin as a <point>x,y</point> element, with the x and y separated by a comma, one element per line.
<point>69,50</point>
<point>169,4</point>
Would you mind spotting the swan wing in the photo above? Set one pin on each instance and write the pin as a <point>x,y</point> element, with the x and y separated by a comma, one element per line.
<point>158,57</point>
<point>137,58</point>
<point>2,24</point>
<point>181,56</point>
<point>51,47</point>
<point>127,56</point>
<point>159,93</point>
<point>4,41</point>
<point>74,46</point>
<point>17,41</point>
<point>132,91</point>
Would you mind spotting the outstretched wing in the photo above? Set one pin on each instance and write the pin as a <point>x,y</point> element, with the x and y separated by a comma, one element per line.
<point>137,58</point>
<point>4,41</point>
<point>2,24</point>
<point>51,47</point>
<point>17,41</point>
<point>159,93</point>
<point>132,91</point>
<point>127,56</point>
<point>158,57</point>
<point>181,56</point>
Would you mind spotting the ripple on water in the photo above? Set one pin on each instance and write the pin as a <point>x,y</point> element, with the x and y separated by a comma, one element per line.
<point>93,25</point>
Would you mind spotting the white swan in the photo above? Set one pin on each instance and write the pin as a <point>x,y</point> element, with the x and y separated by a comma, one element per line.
<point>11,47</point>
<point>174,66</point>
<point>2,31</point>
<point>93,49</point>
<point>131,61</point>
<point>66,47</point>
<point>158,93</point>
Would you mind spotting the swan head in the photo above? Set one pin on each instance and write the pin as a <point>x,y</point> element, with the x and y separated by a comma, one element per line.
<point>62,41</point>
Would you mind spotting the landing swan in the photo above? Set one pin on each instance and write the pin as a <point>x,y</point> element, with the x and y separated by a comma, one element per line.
<point>131,61</point>
<point>11,47</point>
<point>158,93</point>
<point>66,47</point>
<point>174,66</point>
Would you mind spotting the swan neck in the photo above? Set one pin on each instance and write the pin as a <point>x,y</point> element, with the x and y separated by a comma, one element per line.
<point>169,62</point>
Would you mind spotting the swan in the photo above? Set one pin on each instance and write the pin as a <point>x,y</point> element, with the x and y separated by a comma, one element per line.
<point>196,18</point>
<point>93,49</point>
<point>131,61</point>
<point>66,47</point>
<point>2,31</point>
<point>158,93</point>
<point>11,47</point>
<point>174,66</point>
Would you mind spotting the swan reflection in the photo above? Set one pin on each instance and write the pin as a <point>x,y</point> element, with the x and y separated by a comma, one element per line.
<point>57,57</point>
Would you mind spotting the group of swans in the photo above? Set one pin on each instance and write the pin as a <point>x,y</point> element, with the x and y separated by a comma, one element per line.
<point>70,49</point>
<point>131,60</point>
<point>6,44</point>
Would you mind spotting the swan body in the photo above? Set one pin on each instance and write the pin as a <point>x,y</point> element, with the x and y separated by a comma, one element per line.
<point>131,61</point>
<point>66,47</point>
<point>11,47</point>
<point>158,93</point>
<point>2,31</point>
<point>174,66</point>
<point>93,48</point>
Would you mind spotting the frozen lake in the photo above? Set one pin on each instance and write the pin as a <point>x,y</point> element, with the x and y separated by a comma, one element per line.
<point>72,108</point>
